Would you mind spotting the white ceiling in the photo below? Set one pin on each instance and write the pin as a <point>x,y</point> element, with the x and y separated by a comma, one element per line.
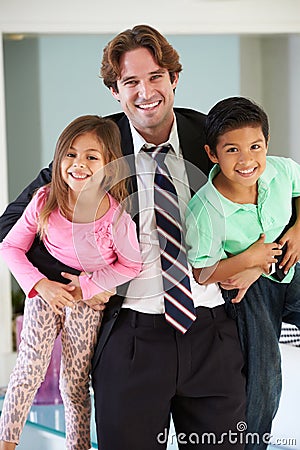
<point>175,17</point>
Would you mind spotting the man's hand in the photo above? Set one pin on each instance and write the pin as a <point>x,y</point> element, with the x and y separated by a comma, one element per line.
<point>76,292</point>
<point>57,295</point>
<point>98,302</point>
<point>292,255</point>
<point>242,281</point>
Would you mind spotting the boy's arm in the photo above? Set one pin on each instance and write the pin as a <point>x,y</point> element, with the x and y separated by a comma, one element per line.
<point>258,254</point>
<point>16,208</point>
<point>205,237</point>
<point>243,280</point>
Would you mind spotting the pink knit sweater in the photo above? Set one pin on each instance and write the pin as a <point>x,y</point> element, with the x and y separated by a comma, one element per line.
<point>107,250</point>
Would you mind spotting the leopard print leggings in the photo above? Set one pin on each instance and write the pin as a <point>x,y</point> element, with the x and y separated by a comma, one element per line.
<point>79,329</point>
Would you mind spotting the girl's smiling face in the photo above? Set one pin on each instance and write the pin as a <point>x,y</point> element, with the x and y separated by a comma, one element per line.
<point>241,155</point>
<point>80,167</point>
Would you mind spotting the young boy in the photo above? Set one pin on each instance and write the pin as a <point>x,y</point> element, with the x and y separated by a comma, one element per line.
<point>233,222</point>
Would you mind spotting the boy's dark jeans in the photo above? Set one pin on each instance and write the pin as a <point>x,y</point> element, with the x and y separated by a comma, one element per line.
<point>259,317</point>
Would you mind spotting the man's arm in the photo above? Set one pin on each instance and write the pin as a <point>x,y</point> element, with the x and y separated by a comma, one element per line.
<point>290,239</point>
<point>16,208</point>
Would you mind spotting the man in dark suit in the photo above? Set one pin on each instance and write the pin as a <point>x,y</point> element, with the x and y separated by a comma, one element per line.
<point>144,369</point>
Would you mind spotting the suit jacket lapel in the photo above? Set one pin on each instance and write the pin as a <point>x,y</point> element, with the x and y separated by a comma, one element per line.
<point>191,140</point>
<point>128,152</point>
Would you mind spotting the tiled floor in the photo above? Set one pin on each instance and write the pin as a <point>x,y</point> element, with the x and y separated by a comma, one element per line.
<point>46,422</point>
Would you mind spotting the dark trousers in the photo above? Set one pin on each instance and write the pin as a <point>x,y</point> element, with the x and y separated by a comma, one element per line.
<point>148,371</point>
<point>259,317</point>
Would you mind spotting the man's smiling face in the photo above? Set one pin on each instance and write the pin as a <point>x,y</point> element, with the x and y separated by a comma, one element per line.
<point>146,94</point>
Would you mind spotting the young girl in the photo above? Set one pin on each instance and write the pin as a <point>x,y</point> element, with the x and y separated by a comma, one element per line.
<point>80,218</point>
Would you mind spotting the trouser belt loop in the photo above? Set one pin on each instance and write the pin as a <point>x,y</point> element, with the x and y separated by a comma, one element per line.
<point>156,321</point>
<point>133,319</point>
<point>213,313</point>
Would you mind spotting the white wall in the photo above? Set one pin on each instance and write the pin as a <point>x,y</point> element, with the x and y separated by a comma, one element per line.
<point>251,60</point>
<point>23,112</point>
<point>70,84</point>
<point>294,96</point>
<point>276,92</point>
<point>5,301</point>
<point>270,73</point>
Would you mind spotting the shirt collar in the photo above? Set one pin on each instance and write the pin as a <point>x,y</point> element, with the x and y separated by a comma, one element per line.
<point>268,175</point>
<point>139,141</point>
<point>229,207</point>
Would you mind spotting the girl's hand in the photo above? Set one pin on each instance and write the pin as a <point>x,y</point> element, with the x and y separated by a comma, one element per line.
<point>263,255</point>
<point>292,255</point>
<point>57,295</point>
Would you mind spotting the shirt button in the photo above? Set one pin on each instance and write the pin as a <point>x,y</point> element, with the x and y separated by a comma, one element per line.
<point>115,314</point>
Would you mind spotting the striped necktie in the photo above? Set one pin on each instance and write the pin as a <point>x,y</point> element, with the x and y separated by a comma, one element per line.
<point>179,306</point>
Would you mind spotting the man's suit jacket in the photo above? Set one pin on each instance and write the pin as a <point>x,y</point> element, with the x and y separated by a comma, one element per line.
<point>190,125</point>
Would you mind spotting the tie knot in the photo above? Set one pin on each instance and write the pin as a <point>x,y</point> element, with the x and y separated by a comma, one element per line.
<point>157,153</point>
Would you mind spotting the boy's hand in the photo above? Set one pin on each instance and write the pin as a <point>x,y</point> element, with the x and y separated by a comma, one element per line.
<point>292,255</point>
<point>263,255</point>
<point>57,295</point>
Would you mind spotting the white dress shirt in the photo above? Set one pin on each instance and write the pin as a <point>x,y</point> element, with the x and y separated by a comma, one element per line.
<point>145,292</point>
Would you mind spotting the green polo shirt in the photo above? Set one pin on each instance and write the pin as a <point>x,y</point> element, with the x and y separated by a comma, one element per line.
<point>217,226</point>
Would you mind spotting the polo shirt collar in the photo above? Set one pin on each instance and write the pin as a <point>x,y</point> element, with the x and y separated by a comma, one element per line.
<point>229,207</point>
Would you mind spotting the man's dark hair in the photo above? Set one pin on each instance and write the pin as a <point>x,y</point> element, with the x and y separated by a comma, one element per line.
<point>140,36</point>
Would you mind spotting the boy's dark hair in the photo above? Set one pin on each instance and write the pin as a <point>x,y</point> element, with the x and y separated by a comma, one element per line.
<point>140,36</point>
<point>233,113</point>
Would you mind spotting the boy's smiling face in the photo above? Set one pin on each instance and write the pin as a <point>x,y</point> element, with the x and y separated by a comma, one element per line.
<point>241,155</point>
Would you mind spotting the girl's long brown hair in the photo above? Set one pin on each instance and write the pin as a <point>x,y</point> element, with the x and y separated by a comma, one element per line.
<point>114,180</point>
